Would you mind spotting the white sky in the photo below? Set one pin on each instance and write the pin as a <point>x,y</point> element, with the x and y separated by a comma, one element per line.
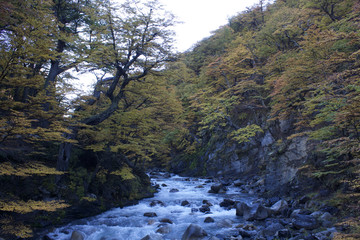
<point>201,17</point>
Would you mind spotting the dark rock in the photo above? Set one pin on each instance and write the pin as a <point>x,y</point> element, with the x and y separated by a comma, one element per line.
<point>207,203</point>
<point>194,210</point>
<point>304,221</point>
<point>247,234</point>
<point>156,202</point>
<point>199,186</point>
<point>227,203</point>
<point>217,188</point>
<point>272,229</point>
<point>185,203</point>
<point>256,212</point>
<point>46,237</point>
<point>192,232</point>
<point>304,199</point>
<point>209,220</point>
<point>225,223</point>
<point>166,220</point>
<point>173,190</point>
<point>164,230</point>
<point>330,209</point>
<point>163,185</point>
<point>283,233</point>
<point>238,183</point>
<point>279,207</point>
<point>76,235</point>
<point>150,214</point>
<point>240,208</point>
<point>204,209</point>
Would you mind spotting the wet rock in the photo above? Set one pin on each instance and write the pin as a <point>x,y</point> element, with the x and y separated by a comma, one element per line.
<point>152,237</point>
<point>204,209</point>
<point>194,210</point>
<point>156,202</point>
<point>227,203</point>
<point>225,223</point>
<point>238,183</point>
<point>217,188</point>
<point>304,221</point>
<point>209,220</point>
<point>164,230</point>
<point>166,220</point>
<point>185,203</point>
<point>193,232</point>
<point>150,214</point>
<point>163,185</point>
<point>240,208</point>
<point>279,207</point>
<point>151,222</point>
<point>76,235</point>
<point>173,190</point>
<point>207,203</point>
<point>272,229</point>
<point>199,186</point>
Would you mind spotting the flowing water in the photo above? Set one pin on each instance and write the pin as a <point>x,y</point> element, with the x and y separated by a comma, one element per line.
<point>129,223</point>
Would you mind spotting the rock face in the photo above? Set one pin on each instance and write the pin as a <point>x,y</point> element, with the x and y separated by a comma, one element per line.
<point>193,232</point>
<point>270,154</point>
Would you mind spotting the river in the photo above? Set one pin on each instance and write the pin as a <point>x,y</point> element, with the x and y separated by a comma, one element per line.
<point>129,223</point>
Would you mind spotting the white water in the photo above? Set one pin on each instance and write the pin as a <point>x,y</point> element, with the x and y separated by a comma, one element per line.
<point>129,223</point>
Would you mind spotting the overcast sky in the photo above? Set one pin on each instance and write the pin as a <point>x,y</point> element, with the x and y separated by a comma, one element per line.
<point>201,17</point>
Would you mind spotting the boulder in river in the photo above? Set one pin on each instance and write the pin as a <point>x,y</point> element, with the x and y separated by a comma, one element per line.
<point>157,202</point>
<point>76,235</point>
<point>193,232</point>
<point>150,214</point>
<point>209,220</point>
<point>227,203</point>
<point>166,220</point>
<point>204,209</point>
<point>164,230</point>
<point>185,203</point>
<point>240,208</point>
<point>217,188</point>
<point>174,190</point>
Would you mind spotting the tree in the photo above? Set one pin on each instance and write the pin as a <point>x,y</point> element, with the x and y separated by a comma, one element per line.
<point>135,42</point>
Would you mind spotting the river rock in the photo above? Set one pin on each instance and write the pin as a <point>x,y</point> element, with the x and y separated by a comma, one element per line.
<point>174,190</point>
<point>279,207</point>
<point>304,199</point>
<point>240,208</point>
<point>156,202</point>
<point>209,220</point>
<point>204,209</point>
<point>193,232</point>
<point>152,237</point>
<point>76,235</point>
<point>225,223</point>
<point>185,203</point>
<point>255,212</point>
<point>150,214</point>
<point>166,220</point>
<point>164,230</point>
<point>217,188</point>
<point>227,203</point>
<point>207,203</point>
<point>304,221</point>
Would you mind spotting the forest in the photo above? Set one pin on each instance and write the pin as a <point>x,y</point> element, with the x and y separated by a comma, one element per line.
<point>279,78</point>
